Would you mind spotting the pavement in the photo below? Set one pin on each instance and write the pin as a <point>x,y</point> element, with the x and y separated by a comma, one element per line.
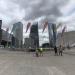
<point>70,51</point>
<point>25,63</point>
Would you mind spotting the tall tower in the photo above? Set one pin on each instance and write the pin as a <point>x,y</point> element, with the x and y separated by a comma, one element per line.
<point>18,34</point>
<point>34,36</point>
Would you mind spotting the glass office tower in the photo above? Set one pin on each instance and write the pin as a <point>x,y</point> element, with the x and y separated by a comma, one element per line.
<point>34,36</point>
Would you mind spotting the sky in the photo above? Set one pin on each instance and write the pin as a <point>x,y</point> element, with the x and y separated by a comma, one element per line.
<point>55,11</point>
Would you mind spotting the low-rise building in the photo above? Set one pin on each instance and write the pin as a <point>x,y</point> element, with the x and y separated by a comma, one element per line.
<point>68,38</point>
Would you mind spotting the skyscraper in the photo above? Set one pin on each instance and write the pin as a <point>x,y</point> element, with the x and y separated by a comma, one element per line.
<point>0,31</point>
<point>34,35</point>
<point>18,34</point>
<point>52,34</point>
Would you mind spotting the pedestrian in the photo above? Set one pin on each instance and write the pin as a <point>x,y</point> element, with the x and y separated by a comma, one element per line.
<point>60,50</point>
<point>37,53</point>
<point>41,51</point>
<point>55,49</point>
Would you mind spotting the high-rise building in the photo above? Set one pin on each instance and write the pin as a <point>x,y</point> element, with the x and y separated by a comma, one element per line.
<point>34,35</point>
<point>52,34</point>
<point>0,31</point>
<point>18,34</point>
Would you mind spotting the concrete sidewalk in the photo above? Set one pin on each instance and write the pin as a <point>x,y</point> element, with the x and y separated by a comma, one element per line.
<point>23,63</point>
<point>70,51</point>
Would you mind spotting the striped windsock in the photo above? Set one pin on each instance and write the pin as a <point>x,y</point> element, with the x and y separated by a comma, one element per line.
<point>63,31</point>
<point>28,25</point>
<point>45,25</point>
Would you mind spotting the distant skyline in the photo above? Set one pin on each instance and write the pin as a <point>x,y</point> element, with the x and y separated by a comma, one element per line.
<point>12,11</point>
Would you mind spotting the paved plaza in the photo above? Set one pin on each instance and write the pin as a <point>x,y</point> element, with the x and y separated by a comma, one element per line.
<point>24,63</point>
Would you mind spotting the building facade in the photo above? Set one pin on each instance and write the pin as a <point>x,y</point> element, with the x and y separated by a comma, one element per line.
<point>18,34</point>
<point>52,34</point>
<point>29,43</point>
<point>34,36</point>
<point>5,38</point>
<point>68,38</point>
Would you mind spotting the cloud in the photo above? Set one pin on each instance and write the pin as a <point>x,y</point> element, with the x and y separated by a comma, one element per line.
<point>43,8</point>
<point>18,10</point>
<point>68,15</point>
<point>10,12</point>
<point>36,10</point>
<point>69,8</point>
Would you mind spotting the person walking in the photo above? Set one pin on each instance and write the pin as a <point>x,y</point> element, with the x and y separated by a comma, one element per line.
<point>55,49</point>
<point>60,50</point>
<point>41,51</point>
<point>37,52</point>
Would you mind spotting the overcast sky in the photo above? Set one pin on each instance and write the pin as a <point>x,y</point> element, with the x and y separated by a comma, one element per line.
<point>12,11</point>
